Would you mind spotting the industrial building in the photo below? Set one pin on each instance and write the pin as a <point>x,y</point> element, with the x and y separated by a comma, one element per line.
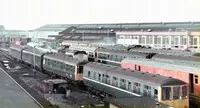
<point>177,36</point>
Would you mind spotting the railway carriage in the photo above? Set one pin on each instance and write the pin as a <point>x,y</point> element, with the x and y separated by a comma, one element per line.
<point>16,52</point>
<point>33,57</point>
<point>114,57</point>
<point>121,82</point>
<point>186,71</point>
<point>62,65</point>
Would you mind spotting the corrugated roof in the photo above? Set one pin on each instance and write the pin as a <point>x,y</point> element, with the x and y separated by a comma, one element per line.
<point>53,27</point>
<point>185,25</point>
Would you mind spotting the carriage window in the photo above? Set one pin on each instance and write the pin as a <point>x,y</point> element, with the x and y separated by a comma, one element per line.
<point>136,87</point>
<point>115,81</point>
<point>147,90</point>
<point>184,92</point>
<point>99,55</point>
<point>107,79</point>
<point>48,61</point>
<point>88,74</point>
<point>123,83</point>
<point>196,79</point>
<point>94,75</point>
<point>176,92</point>
<point>73,69</point>
<point>90,54</point>
<point>166,93</point>
<point>99,77</point>
<point>111,57</point>
<point>61,65</point>
<point>80,69</point>
<point>103,78</point>
<point>104,56</point>
<point>155,93</point>
<point>57,64</point>
<point>129,86</point>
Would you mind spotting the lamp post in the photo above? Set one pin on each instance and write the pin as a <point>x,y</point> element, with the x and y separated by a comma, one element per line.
<point>83,35</point>
<point>34,61</point>
<point>10,40</point>
<point>107,37</point>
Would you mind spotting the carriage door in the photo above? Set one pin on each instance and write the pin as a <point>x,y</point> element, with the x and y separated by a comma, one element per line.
<point>191,79</point>
<point>95,54</point>
<point>139,68</point>
<point>155,94</point>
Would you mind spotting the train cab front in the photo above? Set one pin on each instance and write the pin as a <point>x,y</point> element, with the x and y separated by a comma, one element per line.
<point>174,96</point>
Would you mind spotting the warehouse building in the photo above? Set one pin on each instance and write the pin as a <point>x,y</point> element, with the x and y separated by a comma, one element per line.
<point>180,36</point>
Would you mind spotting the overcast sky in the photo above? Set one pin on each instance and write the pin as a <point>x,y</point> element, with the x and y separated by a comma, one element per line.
<point>30,14</point>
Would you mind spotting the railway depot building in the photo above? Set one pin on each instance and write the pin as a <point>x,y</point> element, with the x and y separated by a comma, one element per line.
<point>173,40</point>
<point>178,36</point>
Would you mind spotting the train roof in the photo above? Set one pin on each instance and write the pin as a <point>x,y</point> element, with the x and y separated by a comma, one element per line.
<point>122,53</point>
<point>194,59</point>
<point>164,52</point>
<point>117,47</point>
<point>193,68</point>
<point>17,47</point>
<point>144,77</point>
<point>35,51</point>
<point>64,58</point>
<point>83,48</point>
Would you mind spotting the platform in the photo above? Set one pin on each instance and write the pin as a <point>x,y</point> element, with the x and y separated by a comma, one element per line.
<point>12,96</point>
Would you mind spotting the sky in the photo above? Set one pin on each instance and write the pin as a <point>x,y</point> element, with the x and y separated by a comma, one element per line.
<point>30,14</point>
